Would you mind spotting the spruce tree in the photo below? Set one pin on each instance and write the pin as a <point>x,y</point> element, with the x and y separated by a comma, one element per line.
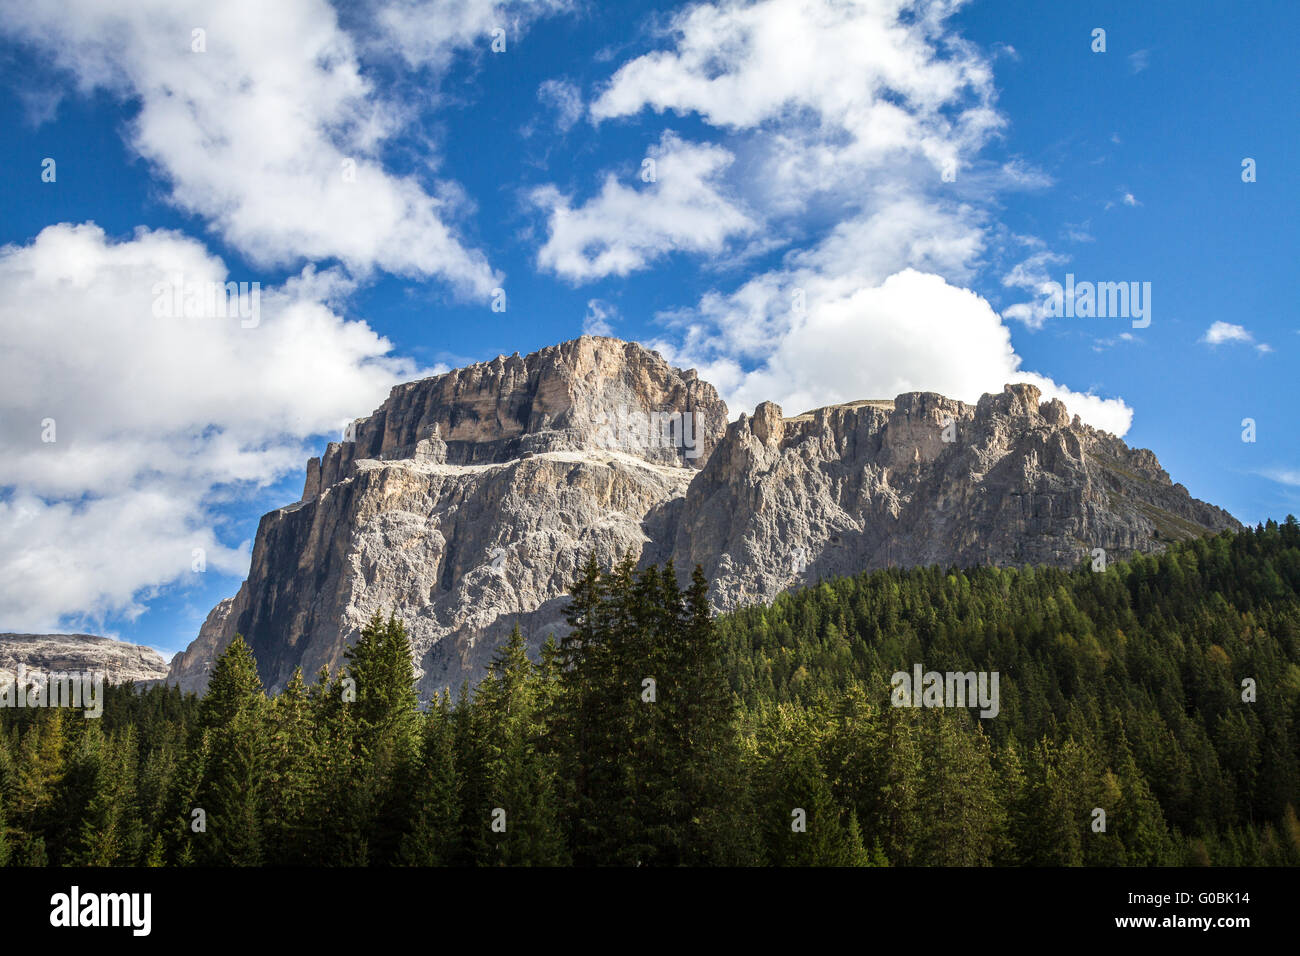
<point>232,793</point>
<point>385,738</point>
<point>515,819</point>
<point>435,838</point>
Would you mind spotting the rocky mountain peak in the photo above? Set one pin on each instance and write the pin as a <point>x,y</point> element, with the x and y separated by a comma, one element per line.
<point>589,393</point>
<point>467,501</point>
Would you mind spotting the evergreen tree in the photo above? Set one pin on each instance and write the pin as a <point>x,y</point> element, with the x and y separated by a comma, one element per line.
<point>232,740</point>
<point>515,821</point>
<point>385,736</point>
<point>434,838</point>
<point>291,757</point>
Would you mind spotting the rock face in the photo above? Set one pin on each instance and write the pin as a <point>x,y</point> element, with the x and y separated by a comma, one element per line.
<point>67,653</point>
<point>921,480</point>
<point>465,503</point>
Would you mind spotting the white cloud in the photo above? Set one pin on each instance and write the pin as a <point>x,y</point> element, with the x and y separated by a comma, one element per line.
<point>1139,60</point>
<point>859,253</point>
<point>156,419</point>
<point>623,229</point>
<point>875,112</point>
<point>255,133</point>
<point>837,87</point>
<point>1221,332</point>
<point>428,33</point>
<point>1077,232</point>
<point>599,319</point>
<point>1125,197</point>
<point>565,98</point>
<point>912,332</point>
<point>1284,476</point>
<point>1032,274</point>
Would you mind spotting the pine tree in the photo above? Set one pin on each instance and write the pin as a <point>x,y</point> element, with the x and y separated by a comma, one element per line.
<point>386,738</point>
<point>336,820</point>
<point>958,795</point>
<point>232,738</point>
<point>702,768</point>
<point>290,759</point>
<point>516,818</point>
<point>575,723</point>
<point>435,838</point>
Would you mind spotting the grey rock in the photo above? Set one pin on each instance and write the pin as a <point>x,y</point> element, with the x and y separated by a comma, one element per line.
<point>783,502</point>
<point>465,505</point>
<point>84,653</point>
<point>467,501</point>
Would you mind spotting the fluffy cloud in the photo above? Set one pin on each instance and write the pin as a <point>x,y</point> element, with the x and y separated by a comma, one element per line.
<point>870,113</point>
<point>1221,333</point>
<point>273,133</point>
<point>1033,276</point>
<point>428,33</point>
<point>912,332</point>
<point>155,418</point>
<point>624,229</point>
<point>837,87</point>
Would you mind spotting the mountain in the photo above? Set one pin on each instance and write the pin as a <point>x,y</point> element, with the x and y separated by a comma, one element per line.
<point>66,653</point>
<point>466,502</point>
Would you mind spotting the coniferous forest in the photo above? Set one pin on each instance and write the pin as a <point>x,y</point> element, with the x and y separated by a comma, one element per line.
<point>1162,691</point>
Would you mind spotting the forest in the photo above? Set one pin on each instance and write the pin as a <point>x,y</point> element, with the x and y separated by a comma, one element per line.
<point>1147,717</point>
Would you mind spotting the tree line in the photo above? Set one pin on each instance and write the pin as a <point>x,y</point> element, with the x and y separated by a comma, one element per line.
<point>1147,717</point>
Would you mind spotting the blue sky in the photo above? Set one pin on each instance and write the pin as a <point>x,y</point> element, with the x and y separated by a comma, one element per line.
<point>914,172</point>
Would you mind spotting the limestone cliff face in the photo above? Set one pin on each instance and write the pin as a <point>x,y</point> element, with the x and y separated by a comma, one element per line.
<point>466,502</point>
<point>921,480</point>
<point>84,653</point>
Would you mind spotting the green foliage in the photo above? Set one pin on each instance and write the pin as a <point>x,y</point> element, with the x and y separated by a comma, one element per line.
<point>653,733</point>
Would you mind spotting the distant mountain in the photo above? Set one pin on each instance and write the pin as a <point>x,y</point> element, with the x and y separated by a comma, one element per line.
<point>466,502</point>
<point>119,661</point>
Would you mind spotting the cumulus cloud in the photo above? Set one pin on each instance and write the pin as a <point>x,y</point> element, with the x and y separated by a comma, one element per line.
<point>679,207</point>
<point>1221,333</point>
<point>912,332</point>
<point>272,131</point>
<point>428,33</point>
<point>875,111</point>
<point>155,418</point>
<point>838,86</point>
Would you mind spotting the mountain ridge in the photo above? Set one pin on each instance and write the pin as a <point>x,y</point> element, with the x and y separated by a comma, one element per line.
<point>467,500</point>
<point>118,661</point>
